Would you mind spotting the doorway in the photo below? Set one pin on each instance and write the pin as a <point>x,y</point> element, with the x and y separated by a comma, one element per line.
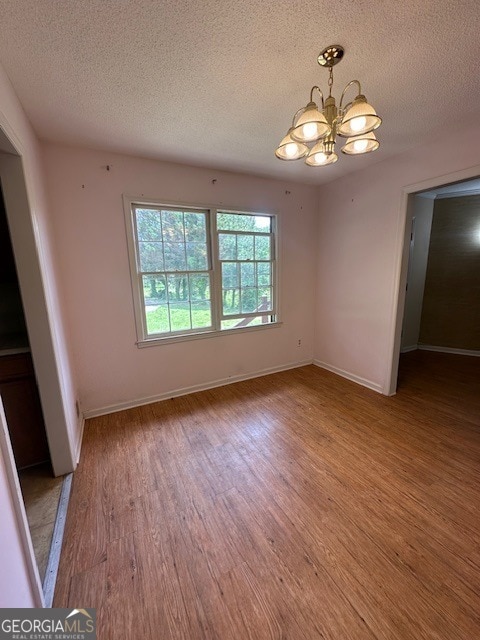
<point>30,365</point>
<point>23,410</point>
<point>35,272</point>
<point>414,320</point>
<point>18,386</point>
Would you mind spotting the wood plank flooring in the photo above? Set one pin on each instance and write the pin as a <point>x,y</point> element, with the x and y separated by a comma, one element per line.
<point>294,506</point>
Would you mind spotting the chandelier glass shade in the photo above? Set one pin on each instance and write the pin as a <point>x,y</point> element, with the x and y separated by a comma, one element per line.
<point>314,130</point>
<point>290,149</point>
<point>311,125</point>
<point>360,118</point>
<point>360,144</point>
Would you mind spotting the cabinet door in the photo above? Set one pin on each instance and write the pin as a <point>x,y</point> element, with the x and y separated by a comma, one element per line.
<point>25,421</point>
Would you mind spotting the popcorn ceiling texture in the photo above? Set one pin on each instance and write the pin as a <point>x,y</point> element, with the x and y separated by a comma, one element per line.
<point>216,82</point>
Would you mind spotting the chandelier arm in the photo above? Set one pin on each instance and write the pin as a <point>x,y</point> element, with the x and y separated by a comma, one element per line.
<point>346,89</point>
<point>321,95</point>
<point>301,110</point>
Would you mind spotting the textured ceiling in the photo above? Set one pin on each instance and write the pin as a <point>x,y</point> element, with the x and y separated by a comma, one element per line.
<point>216,82</point>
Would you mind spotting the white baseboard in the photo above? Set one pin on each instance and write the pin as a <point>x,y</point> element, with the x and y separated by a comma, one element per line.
<point>175,393</point>
<point>460,352</point>
<point>413,347</point>
<point>349,376</point>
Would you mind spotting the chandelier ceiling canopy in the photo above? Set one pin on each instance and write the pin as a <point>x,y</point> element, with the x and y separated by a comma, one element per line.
<point>314,131</point>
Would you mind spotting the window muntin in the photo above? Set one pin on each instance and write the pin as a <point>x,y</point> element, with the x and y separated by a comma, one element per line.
<point>201,270</point>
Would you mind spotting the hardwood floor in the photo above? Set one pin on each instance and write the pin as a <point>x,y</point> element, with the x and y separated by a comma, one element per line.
<point>294,506</point>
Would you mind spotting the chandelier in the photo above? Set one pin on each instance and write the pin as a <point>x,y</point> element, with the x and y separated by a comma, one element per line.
<point>355,121</point>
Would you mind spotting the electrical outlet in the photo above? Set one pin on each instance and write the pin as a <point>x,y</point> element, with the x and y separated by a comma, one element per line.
<point>299,342</point>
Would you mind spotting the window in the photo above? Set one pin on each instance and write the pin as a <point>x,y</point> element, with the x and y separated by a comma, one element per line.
<point>199,271</point>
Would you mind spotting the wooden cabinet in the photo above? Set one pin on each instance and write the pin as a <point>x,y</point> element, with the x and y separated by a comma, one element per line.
<point>23,411</point>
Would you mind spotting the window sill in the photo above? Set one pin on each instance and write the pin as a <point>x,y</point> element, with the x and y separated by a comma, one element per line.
<point>153,342</point>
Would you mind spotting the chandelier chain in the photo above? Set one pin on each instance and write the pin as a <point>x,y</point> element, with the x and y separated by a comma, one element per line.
<point>330,81</point>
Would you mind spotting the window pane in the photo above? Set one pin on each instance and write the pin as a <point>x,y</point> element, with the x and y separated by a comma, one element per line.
<point>154,289</point>
<point>262,248</point>
<point>231,301</point>
<point>149,224</point>
<point>178,288</point>
<point>180,319</point>
<point>247,274</point>
<point>227,246</point>
<point>264,277</point>
<point>246,322</point>
<point>195,227</point>
<point>157,318</point>
<point>249,300</point>
<point>233,222</point>
<point>201,315</point>
<point>230,275</point>
<point>265,299</point>
<point>197,256</point>
<point>172,226</point>
<point>174,256</point>
<point>263,223</point>
<point>243,222</point>
<point>151,256</point>
<point>199,287</point>
<point>244,247</point>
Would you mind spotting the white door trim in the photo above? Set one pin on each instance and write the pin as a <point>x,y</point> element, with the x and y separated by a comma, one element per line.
<point>20,515</point>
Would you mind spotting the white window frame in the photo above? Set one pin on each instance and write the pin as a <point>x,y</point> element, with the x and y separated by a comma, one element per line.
<point>145,340</point>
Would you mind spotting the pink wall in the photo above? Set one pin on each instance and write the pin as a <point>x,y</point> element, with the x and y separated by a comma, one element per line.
<point>88,221</point>
<point>359,244</point>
